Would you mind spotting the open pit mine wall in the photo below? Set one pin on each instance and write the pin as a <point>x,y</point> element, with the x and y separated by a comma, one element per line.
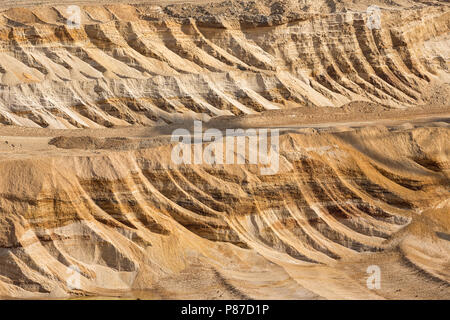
<point>130,219</point>
<point>143,65</point>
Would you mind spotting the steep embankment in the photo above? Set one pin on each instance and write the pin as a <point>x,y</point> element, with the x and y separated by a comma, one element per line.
<point>148,64</point>
<point>132,220</point>
<point>363,174</point>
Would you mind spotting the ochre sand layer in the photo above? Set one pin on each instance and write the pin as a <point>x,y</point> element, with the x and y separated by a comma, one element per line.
<point>86,177</point>
<point>151,64</point>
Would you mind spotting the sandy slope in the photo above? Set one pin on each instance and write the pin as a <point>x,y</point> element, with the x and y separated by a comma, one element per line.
<point>153,64</point>
<point>347,196</point>
<point>364,165</point>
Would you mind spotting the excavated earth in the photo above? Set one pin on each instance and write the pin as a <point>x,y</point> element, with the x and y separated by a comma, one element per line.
<point>89,188</point>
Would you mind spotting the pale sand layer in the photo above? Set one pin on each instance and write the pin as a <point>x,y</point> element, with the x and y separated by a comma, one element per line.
<point>348,195</point>
<point>364,150</point>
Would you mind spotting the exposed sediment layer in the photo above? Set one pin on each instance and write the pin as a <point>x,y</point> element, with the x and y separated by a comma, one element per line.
<point>363,176</point>
<point>131,220</point>
<point>148,64</point>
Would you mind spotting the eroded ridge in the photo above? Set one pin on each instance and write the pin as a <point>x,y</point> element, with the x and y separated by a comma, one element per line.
<point>130,219</point>
<point>153,65</point>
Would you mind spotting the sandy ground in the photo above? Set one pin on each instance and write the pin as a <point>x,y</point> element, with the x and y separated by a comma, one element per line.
<point>15,141</point>
<point>88,181</point>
